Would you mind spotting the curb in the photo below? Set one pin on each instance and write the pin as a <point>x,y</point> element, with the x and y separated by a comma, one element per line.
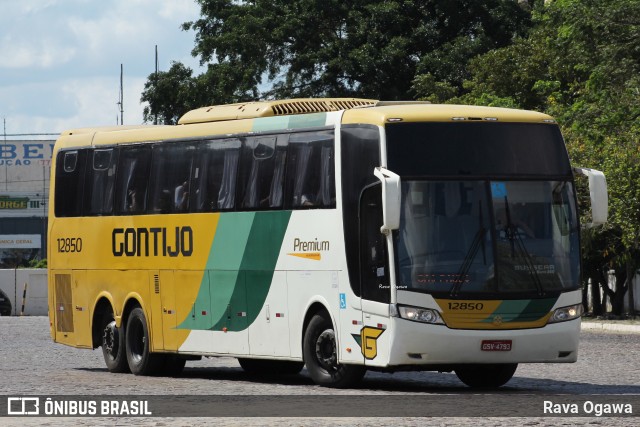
<point>613,327</point>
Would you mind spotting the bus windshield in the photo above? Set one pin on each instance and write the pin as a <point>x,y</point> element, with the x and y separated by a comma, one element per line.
<point>487,237</point>
<point>487,209</point>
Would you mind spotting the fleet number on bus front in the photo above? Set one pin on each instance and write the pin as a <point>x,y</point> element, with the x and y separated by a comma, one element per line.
<point>70,244</point>
<point>466,306</point>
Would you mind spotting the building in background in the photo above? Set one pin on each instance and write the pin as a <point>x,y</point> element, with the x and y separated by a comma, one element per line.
<point>24,188</point>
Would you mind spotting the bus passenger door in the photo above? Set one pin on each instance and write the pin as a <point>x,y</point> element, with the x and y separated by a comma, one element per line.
<point>375,288</point>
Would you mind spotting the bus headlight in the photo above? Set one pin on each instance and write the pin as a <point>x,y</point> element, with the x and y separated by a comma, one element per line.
<point>566,313</point>
<point>424,315</point>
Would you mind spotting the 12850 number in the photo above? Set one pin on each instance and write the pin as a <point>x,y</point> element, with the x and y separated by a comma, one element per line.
<point>69,244</point>
<point>466,306</point>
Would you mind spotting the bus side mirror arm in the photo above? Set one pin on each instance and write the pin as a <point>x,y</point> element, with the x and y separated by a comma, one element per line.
<point>390,199</point>
<point>598,194</point>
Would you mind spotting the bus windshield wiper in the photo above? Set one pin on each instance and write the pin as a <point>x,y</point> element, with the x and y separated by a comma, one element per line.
<point>478,240</point>
<point>518,246</point>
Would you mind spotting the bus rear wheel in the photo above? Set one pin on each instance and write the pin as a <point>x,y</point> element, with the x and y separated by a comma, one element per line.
<point>140,359</point>
<point>320,356</point>
<point>486,376</point>
<point>113,346</point>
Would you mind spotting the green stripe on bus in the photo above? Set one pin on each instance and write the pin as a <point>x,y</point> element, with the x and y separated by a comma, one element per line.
<point>230,241</point>
<point>263,124</point>
<point>522,310</point>
<point>223,265</point>
<point>508,310</point>
<point>536,309</point>
<point>308,120</point>
<point>240,269</point>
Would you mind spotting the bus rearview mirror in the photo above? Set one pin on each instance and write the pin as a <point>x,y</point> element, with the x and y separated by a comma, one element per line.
<point>598,195</point>
<point>390,199</point>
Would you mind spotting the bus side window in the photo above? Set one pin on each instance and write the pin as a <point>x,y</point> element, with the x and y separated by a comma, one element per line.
<point>263,172</point>
<point>132,179</point>
<point>70,167</point>
<point>311,170</point>
<point>170,172</point>
<point>214,175</point>
<point>101,181</point>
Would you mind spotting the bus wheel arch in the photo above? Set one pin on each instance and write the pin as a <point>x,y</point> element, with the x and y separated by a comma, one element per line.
<point>111,338</point>
<point>315,308</point>
<point>319,349</point>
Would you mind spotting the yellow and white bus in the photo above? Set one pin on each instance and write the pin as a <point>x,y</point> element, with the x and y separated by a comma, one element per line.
<point>340,234</point>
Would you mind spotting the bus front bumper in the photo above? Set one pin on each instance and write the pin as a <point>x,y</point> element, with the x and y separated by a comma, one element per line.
<point>423,344</point>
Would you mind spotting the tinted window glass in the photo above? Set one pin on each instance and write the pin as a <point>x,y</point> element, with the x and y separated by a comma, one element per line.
<point>311,170</point>
<point>476,149</point>
<point>70,166</point>
<point>479,238</point>
<point>373,247</point>
<point>133,175</point>
<point>170,172</point>
<point>100,182</point>
<point>263,172</point>
<point>360,155</point>
<point>214,175</point>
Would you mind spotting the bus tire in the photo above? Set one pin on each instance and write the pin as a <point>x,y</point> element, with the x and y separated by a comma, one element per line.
<point>320,356</point>
<point>270,367</point>
<point>486,376</point>
<point>113,345</point>
<point>141,361</point>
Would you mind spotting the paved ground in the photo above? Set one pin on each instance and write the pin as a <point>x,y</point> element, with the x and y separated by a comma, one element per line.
<point>632,326</point>
<point>30,363</point>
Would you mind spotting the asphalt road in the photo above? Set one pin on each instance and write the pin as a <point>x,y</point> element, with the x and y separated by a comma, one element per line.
<point>608,371</point>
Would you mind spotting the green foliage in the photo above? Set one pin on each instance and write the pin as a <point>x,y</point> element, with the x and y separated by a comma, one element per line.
<point>169,95</point>
<point>581,63</point>
<point>38,263</point>
<point>308,48</point>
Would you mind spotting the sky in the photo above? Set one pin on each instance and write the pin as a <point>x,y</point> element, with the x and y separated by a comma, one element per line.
<point>60,59</point>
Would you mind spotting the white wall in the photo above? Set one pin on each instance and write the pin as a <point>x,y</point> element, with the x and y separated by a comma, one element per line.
<point>12,284</point>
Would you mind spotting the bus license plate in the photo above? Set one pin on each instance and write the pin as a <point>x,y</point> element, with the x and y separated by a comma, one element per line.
<point>496,345</point>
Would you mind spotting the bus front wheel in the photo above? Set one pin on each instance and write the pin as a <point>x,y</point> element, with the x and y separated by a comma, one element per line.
<point>486,376</point>
<point>320,356</point>
<point>141,360</point>
<point>113,347</point>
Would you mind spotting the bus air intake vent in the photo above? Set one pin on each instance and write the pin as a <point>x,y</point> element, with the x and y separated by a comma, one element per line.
<point>252,110</point>
<point>318,106</point>
<point>64,310</point>
<point>156,283</point>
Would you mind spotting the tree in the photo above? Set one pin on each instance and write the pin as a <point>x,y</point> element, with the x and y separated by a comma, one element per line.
<point>168,94</point>
<point>581,63</point>
<point>307,48</point>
